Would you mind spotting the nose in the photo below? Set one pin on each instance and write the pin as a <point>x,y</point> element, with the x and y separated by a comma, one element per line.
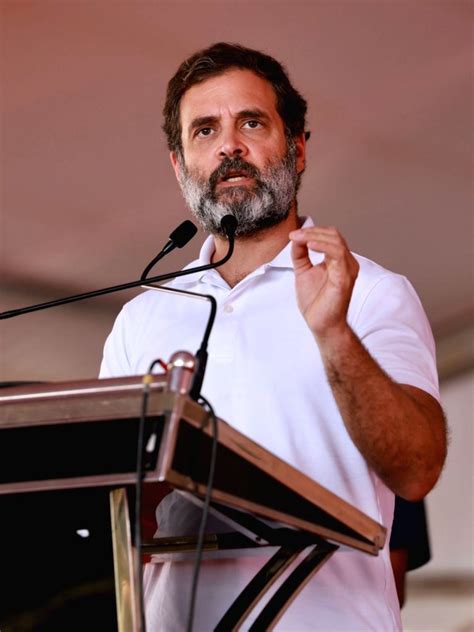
<point>231,144</point>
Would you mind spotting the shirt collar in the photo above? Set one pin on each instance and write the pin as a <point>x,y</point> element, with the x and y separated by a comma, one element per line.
<point>282,259</point>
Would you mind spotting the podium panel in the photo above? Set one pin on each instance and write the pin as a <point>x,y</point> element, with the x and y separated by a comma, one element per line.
<point>79,434</point>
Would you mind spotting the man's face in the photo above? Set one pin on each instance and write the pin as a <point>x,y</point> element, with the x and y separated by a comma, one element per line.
<point>236,158</point>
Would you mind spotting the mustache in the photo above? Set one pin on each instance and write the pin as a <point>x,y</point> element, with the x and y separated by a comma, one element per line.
<point>233,164</point>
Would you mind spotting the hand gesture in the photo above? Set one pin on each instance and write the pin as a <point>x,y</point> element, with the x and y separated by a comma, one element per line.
<point>324,290</point>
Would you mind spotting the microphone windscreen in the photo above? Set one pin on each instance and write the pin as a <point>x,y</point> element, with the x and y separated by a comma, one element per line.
<point>229,225</point>
<point>183,233</point>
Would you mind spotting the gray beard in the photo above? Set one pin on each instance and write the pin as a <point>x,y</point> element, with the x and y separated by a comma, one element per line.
<point>265,204</point>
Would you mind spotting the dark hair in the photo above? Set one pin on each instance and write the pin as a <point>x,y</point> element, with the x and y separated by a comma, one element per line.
<point>215,60</point>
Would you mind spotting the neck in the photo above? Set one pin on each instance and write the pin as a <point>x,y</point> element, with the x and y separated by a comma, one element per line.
<point>254,250</point>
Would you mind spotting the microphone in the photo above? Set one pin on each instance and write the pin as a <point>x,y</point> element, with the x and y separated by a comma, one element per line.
<point>178,238</point>
<point>228,226</point>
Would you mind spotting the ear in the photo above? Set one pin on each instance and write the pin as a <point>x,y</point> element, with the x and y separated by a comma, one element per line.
<point>300,142</point>
<point>175,164</point>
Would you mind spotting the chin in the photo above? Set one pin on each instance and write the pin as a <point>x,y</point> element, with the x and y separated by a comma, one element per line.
<point>235,191</point>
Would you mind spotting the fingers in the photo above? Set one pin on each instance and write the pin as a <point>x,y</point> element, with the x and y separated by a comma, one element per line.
<point>299,254</point>
<point>326,240</point>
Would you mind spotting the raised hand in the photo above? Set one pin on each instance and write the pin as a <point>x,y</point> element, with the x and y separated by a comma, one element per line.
<point>324,290</point>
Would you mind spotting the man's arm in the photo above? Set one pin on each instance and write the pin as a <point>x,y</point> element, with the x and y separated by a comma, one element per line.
<point>399,429</point>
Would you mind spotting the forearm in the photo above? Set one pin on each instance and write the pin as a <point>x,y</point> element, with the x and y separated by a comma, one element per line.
<point>400,430</point>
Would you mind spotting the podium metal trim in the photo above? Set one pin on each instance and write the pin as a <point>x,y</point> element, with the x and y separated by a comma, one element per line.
<point>126,585</point>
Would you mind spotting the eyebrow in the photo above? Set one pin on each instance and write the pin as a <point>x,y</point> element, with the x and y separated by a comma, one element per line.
<point>201,121</point>
<point>254,113</point>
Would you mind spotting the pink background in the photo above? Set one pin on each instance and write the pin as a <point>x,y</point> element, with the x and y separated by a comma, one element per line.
<point>88,194</point>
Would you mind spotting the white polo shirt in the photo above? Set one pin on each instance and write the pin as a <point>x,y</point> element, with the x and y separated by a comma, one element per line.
<point>266,378</point>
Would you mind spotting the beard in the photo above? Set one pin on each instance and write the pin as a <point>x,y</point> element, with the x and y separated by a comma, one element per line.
<point>264,204</point>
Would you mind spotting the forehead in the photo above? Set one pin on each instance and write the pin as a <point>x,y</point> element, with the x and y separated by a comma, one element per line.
<point>231,92</point>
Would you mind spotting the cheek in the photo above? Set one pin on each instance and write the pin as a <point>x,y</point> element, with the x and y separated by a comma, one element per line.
<point>196,175</point>
<point>199,163</point>
<point>270,152</point>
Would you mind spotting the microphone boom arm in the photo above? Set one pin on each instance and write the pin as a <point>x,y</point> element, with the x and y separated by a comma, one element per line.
<point>117,288</point>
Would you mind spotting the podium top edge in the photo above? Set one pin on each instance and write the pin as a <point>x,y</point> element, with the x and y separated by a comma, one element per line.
<point>40,390</point>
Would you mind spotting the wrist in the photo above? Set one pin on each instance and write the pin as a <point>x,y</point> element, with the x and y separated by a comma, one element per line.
<point>332,339</point>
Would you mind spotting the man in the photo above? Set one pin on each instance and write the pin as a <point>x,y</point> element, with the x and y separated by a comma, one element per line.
<point>320,355</point>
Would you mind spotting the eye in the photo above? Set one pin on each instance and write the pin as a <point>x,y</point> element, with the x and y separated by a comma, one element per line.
<point>204,131</point>
<point>253,124</point>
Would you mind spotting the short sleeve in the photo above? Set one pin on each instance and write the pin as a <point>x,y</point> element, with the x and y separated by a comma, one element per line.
<point>115,361</point>
<point>393,326</point>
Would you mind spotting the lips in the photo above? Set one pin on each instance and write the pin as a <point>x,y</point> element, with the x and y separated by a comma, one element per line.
<point>233,172</point>
<point>234,177</point>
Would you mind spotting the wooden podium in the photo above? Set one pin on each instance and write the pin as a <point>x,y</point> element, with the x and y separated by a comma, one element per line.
<point>84,434</point>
